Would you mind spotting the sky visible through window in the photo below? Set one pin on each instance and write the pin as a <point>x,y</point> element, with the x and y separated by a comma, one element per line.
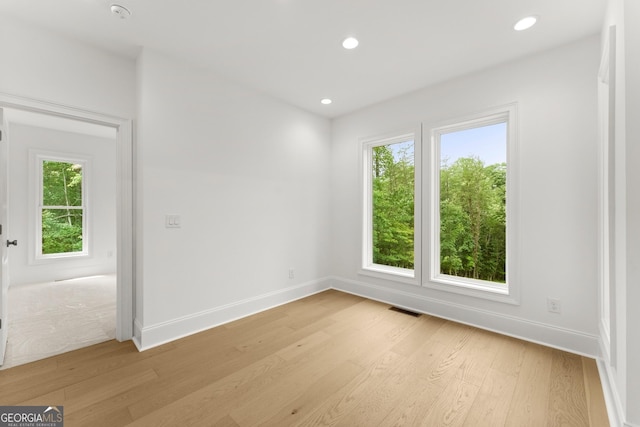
<point>488,143</point>
<point>402,149</point>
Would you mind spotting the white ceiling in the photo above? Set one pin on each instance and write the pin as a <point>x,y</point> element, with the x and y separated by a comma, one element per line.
<point>291,49</point>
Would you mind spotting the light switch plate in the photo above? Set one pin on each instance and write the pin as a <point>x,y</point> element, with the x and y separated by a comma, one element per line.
<point>172,221</point>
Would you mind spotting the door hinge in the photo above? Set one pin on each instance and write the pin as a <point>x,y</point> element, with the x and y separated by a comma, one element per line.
<point>0,135</point>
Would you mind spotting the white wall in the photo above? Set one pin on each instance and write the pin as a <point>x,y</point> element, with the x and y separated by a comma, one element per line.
<point>45,66</point>
<point>632,112</point>
<point>556,94</point>
<point>42,65</point>
<point>249,177</point>
<point>621,374</point>
<point>101,207</point>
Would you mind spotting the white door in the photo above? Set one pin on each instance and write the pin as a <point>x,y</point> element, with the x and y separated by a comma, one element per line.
<point>4,280</point>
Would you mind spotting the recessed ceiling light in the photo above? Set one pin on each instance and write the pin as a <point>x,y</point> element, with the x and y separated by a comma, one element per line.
<point>525,23</point>
<point>120,11</point>
<point>326,101</point>
<point>350,43</point>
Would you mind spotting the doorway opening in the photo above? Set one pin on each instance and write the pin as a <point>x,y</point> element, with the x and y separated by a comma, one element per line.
<point>104,268</point>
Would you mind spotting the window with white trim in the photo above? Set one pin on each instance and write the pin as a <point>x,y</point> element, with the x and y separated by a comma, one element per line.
<point>61,210</point>
<point>464,197</point>
<point>391,245</point>
<point>470,203</point>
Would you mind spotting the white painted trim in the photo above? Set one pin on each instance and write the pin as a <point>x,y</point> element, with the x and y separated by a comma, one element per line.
<point>368,268</point>
<point>432,278</point>
<point>36,159</point>
<point>162,333</point>
<point>125,228</point>
<point>124,194</point>
<point>537,332</point>
<point>137,334</point>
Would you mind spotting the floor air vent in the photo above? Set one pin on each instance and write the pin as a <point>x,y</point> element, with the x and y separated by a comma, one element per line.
<point>403,311</point>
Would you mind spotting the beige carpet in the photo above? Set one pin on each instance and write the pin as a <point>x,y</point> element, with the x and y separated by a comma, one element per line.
<point>46,319</point>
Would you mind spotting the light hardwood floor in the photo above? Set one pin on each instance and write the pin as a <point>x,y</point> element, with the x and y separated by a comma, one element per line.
<point>329,359</point>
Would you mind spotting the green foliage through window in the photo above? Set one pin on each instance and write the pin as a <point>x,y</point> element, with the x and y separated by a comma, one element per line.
<point>473,180</point>
<point>62,207</point>
<point>472,204</point>
<point>393,204</point>
<point>473,219</point>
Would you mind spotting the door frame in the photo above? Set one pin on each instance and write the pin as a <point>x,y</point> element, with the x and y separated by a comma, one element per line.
<point>124,196</point>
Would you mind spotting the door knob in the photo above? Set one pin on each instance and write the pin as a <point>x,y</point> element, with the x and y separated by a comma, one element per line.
<point>12,242</point>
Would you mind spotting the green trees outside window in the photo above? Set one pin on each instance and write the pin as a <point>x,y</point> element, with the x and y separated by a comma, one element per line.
<point>472,203</point>
<point>393,204</point>
<point>473,219</point>
<point>62,207</point>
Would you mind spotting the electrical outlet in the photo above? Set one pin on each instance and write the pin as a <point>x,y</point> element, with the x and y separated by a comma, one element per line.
<point>291,273</point>
<point>553,305</point>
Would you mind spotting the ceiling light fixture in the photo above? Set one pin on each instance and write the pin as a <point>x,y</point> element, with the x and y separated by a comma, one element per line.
<point>120,11</point>
<point>525,23</point>
<point>350,43</point>
<point>326,101</point>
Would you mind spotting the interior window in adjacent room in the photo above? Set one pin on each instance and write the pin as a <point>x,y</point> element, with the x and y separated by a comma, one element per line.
<point>61,208</point>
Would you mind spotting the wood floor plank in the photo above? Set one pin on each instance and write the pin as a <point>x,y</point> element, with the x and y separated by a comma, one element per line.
<point>223,392</point>
<point>530,403</point>
<point>509,356</point>
<point>342,402</point>
<point>415,404</point>
<point>594,395</point>
<point>453,405</point>
<point>226,421</point>
<point>119,417</point>
<point>90,392</point>
<point>395,388</point>
<point>412,342</point>
<point>312,397</point>
<point>567,397</point>
<point>335,351</point>
<point>329,359</point>
<point>35,370</point>
<point>491,405</point>
<point>186,380</point>
<point>479,354</point>
<point>453,339</point>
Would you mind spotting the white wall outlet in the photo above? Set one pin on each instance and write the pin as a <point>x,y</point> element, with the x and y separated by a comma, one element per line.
<point>553,305</point>
<point>291,273</point>
<point>172,221</point>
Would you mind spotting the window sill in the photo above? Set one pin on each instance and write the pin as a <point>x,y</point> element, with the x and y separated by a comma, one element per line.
<point>395,274</point>
<point>473,288</point>
<point>60,258</point>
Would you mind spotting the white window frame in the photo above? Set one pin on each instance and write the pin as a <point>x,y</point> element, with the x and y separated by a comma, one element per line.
<point>368,267</point>
<point>509,292</point>
<point>37,159</point>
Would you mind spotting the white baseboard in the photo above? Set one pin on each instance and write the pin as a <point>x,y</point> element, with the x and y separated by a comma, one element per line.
<point>611,396</point>
<point>552,336</point>
<point>152,336</point>
<point>137,334</point>
<point>537,332</point>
